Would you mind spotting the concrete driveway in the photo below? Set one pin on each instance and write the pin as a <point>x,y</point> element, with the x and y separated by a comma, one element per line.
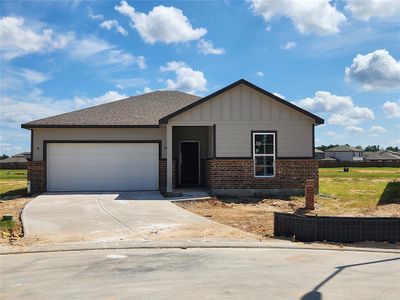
<point>104,217</point>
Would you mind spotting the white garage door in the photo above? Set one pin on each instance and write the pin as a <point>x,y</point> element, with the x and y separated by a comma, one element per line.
<point>102,166</point>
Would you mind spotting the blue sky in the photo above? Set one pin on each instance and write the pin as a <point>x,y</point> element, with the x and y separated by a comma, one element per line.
<point>338,59</point>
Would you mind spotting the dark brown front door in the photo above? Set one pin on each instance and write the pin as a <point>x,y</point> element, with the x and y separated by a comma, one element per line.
<point>189,163</point>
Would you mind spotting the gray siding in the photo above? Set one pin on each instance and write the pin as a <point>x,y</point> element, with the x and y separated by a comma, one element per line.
<point>241,110</point>
<point>107,134</point>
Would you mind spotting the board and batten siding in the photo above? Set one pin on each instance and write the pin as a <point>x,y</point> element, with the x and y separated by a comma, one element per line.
<point>241,110</point>
<point>99,134</point>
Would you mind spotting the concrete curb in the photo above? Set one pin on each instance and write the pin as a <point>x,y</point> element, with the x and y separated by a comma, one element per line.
<point>25,226</point>
<point>131,245</point>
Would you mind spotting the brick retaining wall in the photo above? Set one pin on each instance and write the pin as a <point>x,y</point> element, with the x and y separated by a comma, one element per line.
<point>291,174</point>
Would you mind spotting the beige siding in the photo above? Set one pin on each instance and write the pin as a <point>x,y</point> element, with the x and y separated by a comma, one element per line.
<point>189,134</point>
<point>107,134</point>
<point>239,111</point>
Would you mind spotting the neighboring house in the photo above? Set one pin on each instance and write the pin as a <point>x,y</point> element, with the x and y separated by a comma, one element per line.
<point>319,154</point>
<point>381,156</point>
<point>344,153</point>
<point>238,139</point>
<point>17,161</point>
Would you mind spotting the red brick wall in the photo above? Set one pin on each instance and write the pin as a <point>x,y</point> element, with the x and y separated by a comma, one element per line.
<point>163,175</point>
<point>37,176</point>
<point>239,174</point>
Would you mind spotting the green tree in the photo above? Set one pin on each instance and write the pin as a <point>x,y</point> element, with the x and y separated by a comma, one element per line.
<point>372,148</point>
<point>4,156</point>
<point>391,148</point>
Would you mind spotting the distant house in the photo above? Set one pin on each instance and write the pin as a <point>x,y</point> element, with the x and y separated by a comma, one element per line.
<point>319,154</point>
<point>344,153</point>
<point>382,156</point>
<point>17,161</point>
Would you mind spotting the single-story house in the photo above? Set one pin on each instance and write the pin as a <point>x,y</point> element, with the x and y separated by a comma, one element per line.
<point>344,153</point>
<point>238,139</point>
<point>319,154</point>
<point>381,156</point>
<point>16,161</point>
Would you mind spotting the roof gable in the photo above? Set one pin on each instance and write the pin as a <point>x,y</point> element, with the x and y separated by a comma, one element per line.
<point>317,119</point>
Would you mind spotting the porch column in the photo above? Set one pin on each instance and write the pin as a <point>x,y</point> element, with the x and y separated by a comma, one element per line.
<point>169,158</point>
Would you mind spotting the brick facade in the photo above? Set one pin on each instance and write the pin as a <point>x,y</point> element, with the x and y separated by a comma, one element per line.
<point>290,174</point>
<point>163,175</point>
<point>37,176</point>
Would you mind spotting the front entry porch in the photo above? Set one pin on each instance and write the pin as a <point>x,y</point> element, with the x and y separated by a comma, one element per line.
<point>188,149</point>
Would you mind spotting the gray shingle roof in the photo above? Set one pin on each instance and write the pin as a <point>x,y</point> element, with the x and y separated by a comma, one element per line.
<point>343,148</point>
<point>143,110</point>
<point>381,155</point>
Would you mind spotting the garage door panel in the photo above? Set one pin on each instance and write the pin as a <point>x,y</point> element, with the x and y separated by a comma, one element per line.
<point>102,166</point>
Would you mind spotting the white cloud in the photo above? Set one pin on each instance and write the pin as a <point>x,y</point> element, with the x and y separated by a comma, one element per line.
<point>100,52</point>
<point>279,95</point>
<point>366,9</point>
<point>17,38</point>
<point>146,90</point>
<point>326,102</point>
<point>7,148</point>
<point>161,24</point>
<point>81,102</point>
<point>268,28</point>
<point>391,109</point>
<point>113,24</point>
<point>288,46</point>
<point>132,82</point>
<point>343,112</point>
<point>21,110</point>
<point>260,74</point>
<point>32,76</point>
<point>334,135</point>
<point>317,16</point>
<point>377,70</point>
<point>207,47</point>
<point>354,129</point>
<point>17,79</point>
<point>93,16</point>
<point>187,79</point>
<point>352,116</point>
<point>376,130</point>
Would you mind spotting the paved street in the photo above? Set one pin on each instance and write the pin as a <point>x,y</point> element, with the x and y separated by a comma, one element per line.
<point>201,274</point>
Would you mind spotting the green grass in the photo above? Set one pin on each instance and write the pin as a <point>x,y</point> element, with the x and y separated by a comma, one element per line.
<point>12,183</point>
<point>7,224</point>
<point>361,187</point>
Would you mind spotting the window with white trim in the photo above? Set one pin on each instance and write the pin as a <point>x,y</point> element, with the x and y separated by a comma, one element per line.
<point>264,154</point>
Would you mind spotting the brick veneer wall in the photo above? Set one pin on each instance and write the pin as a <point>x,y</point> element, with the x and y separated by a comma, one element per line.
<point>37,176</point>
<point>239,174</point>
<point>163,175</point>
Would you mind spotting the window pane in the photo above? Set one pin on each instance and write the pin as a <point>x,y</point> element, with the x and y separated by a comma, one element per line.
<point>265,160</point>
<point>264,144</point>
<point>264,166</point>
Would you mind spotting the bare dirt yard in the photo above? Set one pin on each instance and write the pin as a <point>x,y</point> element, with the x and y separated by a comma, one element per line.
<point>12,232</point>
<point>370,192</point>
